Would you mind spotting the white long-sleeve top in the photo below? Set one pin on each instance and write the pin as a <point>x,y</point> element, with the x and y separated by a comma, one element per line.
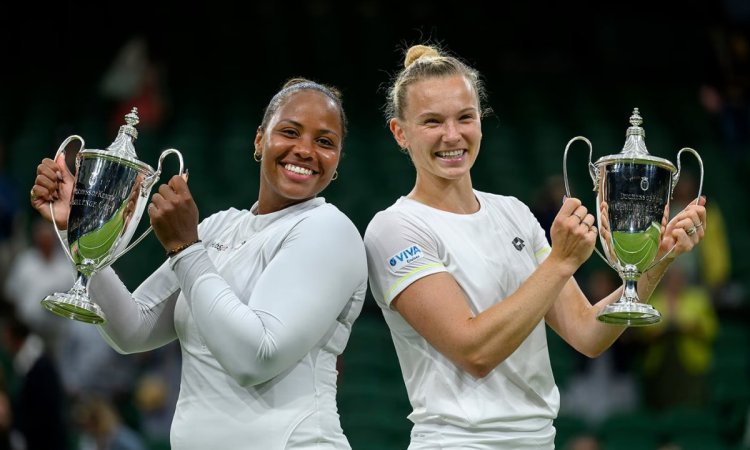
<point>262,308</point>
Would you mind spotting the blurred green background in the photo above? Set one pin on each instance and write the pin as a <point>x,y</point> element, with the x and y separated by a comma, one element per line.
<point>553,72</point>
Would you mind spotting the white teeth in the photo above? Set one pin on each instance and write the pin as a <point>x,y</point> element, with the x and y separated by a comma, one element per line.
<point>297,169</point>
<point>450,154</point>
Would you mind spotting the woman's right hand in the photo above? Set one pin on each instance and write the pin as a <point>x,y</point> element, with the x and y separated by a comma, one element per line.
<point>53,183</point>
<point>573,235</point>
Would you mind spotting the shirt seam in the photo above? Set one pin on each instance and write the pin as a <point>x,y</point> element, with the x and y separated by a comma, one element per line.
<point>408,275</point>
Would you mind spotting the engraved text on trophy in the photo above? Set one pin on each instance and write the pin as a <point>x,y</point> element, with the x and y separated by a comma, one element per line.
<point>100,198</point>
<point>637,197</point>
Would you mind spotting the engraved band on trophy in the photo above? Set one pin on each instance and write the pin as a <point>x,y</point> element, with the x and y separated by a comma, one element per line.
<point>111,191</point>
<point>634,190</point>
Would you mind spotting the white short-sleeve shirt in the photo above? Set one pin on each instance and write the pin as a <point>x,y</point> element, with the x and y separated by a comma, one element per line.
<point>490,254</point>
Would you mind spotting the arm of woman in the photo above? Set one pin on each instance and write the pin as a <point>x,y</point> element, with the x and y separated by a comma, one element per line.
<point>573,317</point>
<point>140,321</point>
<point>294,303</point>
<point>436,307</point>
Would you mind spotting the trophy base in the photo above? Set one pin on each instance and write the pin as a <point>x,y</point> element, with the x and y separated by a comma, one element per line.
<point>633,314</point>
<point>74,306</point>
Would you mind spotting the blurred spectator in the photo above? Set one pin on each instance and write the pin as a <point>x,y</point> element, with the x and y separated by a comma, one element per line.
<point>6,419</point>
<point>711,263</point>
<point>38,271</point>
<point>7,382</point>
<point>37,406</point>
<point>605,385</point>
<point>156,390</point>
<point>726,90</point>
<point>134,80</point>
<point>101,427</point>
<point>583,442</point>
<point>9,216</point>
<point>678,350</point>
<point>89,366</point>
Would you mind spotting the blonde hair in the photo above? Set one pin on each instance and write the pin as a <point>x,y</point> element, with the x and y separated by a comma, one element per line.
<point>423,62</point>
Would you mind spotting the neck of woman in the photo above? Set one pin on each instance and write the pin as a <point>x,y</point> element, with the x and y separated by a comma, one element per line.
<point>455,196</point>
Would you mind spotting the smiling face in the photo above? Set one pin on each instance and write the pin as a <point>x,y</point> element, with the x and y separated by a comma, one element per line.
<point>300,148</point>
<point>441,128</point>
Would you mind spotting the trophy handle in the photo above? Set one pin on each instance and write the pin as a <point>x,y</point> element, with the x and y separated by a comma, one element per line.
<point>593,172</point>
<point>675,179</point>
<point>61,150</point>
<point>676,176</point>
<point>146,186</point>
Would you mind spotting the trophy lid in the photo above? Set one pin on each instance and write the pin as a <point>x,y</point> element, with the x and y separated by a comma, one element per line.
<point>123,143</point>
<point>634,150</point>
<point>122,149</point>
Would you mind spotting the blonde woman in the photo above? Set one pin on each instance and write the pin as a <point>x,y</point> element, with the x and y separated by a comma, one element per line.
<point>467,281</point>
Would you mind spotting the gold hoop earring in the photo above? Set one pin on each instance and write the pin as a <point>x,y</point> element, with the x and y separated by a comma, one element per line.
<point>335,175</point>
<point>257,157</point>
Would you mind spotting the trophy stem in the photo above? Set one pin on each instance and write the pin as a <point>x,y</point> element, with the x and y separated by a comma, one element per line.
<point>628,309</point>
<point>630,291</point>
<point>75,304</point>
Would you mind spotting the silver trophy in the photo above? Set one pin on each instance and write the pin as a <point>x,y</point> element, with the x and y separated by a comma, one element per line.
<point>634,190</point>
<point>111,190</point>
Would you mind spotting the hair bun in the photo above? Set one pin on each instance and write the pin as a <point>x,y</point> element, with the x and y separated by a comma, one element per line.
<point>419,51</point>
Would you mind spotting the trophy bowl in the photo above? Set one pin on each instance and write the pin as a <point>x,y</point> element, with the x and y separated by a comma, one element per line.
<point>111,191</point>
<point>634,190</point>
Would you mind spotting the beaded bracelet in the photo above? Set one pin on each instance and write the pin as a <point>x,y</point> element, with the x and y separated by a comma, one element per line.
<point>182,247</point>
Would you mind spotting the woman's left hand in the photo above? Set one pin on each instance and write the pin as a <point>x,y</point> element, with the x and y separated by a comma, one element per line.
<point>174,214</point>
<point>685,230</point>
